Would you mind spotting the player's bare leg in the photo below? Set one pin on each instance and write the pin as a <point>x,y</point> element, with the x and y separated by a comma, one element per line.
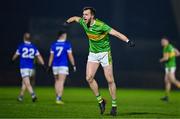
<point>59,85</point>
<point>23,88</point>
<point>108,72</point>
<point>32,80</point>
<point>167,88</point>
<point>62,79</point>
<point>173,79</point>
<point>26,81</point>
<point>56,84</point>
<point>21,95</point>
<point>168,85</point>
<point>90,73</point>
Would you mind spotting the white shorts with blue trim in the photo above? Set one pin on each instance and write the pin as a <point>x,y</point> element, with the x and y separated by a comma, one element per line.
<point>60,70</point>
<point>27,72</point>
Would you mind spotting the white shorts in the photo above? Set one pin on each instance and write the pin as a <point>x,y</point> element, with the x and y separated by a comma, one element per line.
<point>60,70</point>
<point>27,72</point>
<point>170,70</point>
<point>104,58</point>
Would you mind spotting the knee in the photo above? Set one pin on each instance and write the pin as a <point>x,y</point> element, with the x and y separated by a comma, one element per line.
<point>110,82</point>
<point>166,81</point>
<point>89,78</point>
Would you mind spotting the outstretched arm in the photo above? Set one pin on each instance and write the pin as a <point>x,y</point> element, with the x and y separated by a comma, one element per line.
<point>118,35</point>
<point>73,19</point>
<point>121,37</point>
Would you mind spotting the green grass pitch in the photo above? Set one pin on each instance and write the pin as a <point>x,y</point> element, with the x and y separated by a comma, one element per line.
<point>81,103</point>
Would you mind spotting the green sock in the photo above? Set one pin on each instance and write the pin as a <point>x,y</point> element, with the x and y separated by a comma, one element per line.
<point>99,98</point>
<point>114,104</point>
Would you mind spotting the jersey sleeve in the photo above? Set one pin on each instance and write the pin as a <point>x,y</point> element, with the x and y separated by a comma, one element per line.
<point>69,48</point>
<point>52,49</point>
<point>81,21</point>
<point>36,51</point>
<point>167,49</point>
<point>106,28</point>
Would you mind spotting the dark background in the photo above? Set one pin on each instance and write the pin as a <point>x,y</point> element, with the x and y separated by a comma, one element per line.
<point>144,21</point>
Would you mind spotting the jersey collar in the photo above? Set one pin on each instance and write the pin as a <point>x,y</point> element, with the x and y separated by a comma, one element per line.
<point>93,22</point>
<point>61,40</point>
<point>166,46</point>
<point>27,42</point>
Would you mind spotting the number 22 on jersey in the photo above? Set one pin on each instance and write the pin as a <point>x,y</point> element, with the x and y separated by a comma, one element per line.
<point>28,53</point>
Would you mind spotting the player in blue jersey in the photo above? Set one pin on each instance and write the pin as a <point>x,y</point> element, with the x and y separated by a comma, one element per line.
<point>60,52</point>
<point>27,52</point>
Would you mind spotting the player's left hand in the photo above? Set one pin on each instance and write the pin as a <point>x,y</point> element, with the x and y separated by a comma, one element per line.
<point>131,43</point>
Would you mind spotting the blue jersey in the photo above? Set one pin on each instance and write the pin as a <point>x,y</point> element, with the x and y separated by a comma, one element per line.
<point>60,49</point>
<point>27,52</point>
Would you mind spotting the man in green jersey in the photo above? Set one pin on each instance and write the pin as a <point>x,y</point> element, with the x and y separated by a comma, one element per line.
<point>99,53</point>
<point>169,58</point>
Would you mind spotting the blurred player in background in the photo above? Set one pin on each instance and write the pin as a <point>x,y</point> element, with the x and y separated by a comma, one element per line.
<point>99,53</point>
<point>59,53</point>
<point>27,52</point>
<point>169,58</point>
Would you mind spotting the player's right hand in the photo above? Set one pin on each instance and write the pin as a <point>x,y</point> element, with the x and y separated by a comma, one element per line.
<point>65,24</point>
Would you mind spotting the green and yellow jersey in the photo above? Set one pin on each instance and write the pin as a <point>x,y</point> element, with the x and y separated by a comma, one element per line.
<point>98,36</point>
<point>170,50</point>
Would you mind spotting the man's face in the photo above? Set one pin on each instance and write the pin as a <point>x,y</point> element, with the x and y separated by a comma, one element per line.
<point>87,16</point>
<point>164,42</point>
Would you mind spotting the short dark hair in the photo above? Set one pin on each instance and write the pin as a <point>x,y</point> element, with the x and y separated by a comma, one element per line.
<point>93,10</point>
<point>60,32</point>
<point>165,37</point>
